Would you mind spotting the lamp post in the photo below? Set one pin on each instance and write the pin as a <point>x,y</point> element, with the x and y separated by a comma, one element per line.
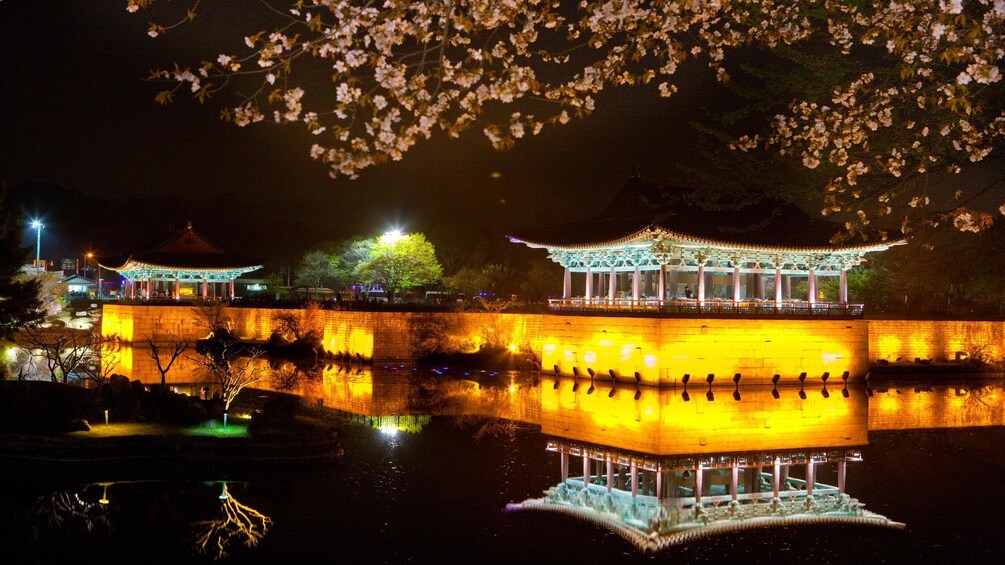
<point>88,256</point>
<point>38,244</point>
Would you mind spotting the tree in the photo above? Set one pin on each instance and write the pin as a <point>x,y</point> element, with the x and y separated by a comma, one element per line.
<point>83,354</point>
<point>399,264</point>
<point>315,270</point>
<point>19,297</point>
<point>170,355</point>
<point>930,96</point>
<point>232,366</point>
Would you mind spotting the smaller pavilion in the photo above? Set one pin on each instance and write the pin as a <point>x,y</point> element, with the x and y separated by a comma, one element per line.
<point>652,248</point>
<point>186,265</point>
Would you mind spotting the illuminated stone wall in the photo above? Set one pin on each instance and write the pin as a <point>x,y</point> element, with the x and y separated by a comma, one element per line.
<point>381,336</point>
<point>939,339</point>
<point>664,349</point>
<point>660,349</point>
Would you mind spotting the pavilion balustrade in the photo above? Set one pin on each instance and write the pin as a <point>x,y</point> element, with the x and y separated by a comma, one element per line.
<point>714,307</point>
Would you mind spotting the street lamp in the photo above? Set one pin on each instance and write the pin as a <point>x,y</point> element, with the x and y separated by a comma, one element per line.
<point>38,244</point>
<point>90,255</point>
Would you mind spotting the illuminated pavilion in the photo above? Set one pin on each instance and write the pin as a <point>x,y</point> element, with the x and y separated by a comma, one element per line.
<point>186,265</point>
<point>651,249</point>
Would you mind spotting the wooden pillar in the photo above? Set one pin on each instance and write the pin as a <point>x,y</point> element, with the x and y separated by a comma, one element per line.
<point>776,476</point>
<point>205,288</point>
<point>635,478</point>
<point>610,475</point>
<point>177,288</point>
<point>787,287</point>
<point>659,483</point>
<point>736,282</point>
<point>734,480</point>
<point>697,484</point>
<point>811,477</point>
<point>564,463</point>
<point>759,280</point>
<point>588,291</point>
<point>662,286</point>
<point>612,285</point>
<point>842,474</point>
<point>637,285</point>
<point>811,287</point>
<point>778,285</point>
<point>232,294</point>
<point>586,470</point>
<point>701,282</point>
<point>843,287</point>
<point>673,283</point>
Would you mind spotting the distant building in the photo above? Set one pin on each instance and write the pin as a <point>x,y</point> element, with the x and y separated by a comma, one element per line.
<point>186,265</point>
<point>77,285</point>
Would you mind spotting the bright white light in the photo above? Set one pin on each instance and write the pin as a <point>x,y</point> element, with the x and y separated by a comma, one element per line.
<point>36,224</point>
<point>392,236</point>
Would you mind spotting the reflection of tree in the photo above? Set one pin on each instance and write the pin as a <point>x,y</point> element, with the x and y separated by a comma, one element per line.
<point>82,354</point>
<point>237,524</point>
<point>67,513</point>
<point>983,404</point>
<point>482,409</point>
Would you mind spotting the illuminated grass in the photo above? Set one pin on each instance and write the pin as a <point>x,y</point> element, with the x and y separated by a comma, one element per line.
<point>211,428</point>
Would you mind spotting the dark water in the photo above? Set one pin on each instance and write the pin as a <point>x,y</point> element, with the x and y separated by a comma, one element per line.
<point>438,496</point>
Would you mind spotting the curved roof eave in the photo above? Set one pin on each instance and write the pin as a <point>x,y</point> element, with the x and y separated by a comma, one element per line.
<point>644,236</point>
<point>655,542</point>
<point>131,264</point>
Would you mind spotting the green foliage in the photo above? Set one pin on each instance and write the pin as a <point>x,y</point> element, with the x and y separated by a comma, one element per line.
<point>400,264</point>
<point>315,270</point>
<point>941,271</point>
<point>19,297</point>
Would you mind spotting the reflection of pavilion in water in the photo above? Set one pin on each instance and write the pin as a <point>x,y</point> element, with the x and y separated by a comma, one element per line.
<point>666,468</point>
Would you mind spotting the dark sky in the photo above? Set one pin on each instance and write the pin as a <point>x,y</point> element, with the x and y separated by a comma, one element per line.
<point>78,114</point>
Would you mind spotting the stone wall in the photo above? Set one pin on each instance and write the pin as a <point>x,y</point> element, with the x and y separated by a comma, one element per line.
<point>661,350</point>
<point>380,336</point>
<point>935,339</point>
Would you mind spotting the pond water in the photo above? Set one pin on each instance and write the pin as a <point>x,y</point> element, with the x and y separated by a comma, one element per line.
<point>433,457</point>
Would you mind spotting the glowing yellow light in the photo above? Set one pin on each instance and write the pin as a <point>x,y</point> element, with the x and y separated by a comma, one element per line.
<point>512,389</point>
<point>549,348</point>
<point>569,355</point>
<point>606,343</point>
<point>650,360</point>
<point>512,347</point>
<point>590,357</point>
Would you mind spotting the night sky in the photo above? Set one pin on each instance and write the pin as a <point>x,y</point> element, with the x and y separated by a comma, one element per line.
<point>78,114</point>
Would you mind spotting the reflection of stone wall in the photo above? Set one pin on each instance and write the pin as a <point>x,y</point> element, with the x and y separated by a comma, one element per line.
<point>942,339</point>
<point>941,407</point>
<point>662,422</point>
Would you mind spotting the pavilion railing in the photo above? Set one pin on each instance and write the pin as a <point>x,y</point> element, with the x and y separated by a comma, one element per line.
<point>713,307</point>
